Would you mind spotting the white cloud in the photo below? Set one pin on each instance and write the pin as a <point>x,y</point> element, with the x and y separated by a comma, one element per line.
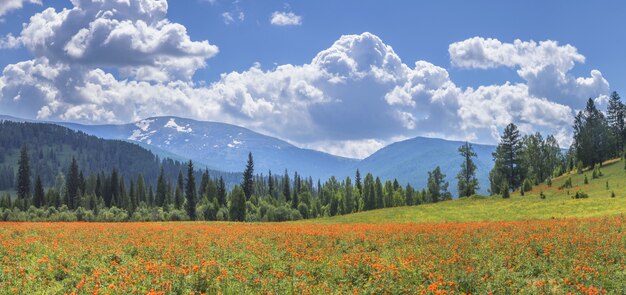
<point>7,6</point>
<point>351,99</point>
<point>233,17</point>
<point>280,18</point>
<point>133,36</point>
<point>544,66</point>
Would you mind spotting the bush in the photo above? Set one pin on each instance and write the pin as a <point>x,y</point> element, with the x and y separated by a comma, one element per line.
<point>542,195</point>
<point>549,182</point>
<point>580,195</point>
<point>304,210</point>
<point>567,183</point>
<point>587,180</point>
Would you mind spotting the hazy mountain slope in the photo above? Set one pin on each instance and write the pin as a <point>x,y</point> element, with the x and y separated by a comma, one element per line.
<point>410,160</point>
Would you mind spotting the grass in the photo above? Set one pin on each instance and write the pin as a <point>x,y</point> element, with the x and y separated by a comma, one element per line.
<point>558,203</point>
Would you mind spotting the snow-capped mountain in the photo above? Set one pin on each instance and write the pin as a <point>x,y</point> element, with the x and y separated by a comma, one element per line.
<point>220,146</point>
<point>225,147</point>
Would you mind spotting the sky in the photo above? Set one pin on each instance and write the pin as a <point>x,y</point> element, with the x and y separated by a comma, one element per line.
<point>344,77</point>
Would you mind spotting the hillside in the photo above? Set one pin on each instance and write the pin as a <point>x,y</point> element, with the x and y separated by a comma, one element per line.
<point>410,160</point>
<point>558,203</point>
<point>51,148</point>
<point>220,146</point>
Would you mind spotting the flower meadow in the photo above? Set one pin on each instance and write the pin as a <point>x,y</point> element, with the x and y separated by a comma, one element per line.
<point>578,256</point>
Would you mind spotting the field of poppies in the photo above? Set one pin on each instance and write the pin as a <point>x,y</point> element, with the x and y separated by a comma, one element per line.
<point>551,256</point>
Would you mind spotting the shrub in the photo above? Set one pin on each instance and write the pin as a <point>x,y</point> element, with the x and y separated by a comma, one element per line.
<point>580,195</point>
<point>567,183</point>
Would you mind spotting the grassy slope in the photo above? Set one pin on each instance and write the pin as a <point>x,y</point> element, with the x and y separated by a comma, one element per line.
<point>557,204</point>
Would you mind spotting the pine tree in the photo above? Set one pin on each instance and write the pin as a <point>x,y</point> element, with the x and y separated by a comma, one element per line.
<point>221,192</point>
<point>467,182</point>
<point>161,189</point>
<point>437,186</point>
<point>178,195</point>
<point>73,185</point>
<point>369,192</point>
<point>204,183</point>
<point>248,173</point>
<point>270,184</point>
<point>507,158</point>
<point>286,187</point>
<point>190,192</point>
<point>378,202</point>
<point>358,181</point>
<point>592,136</point>
<point>23,179</point>
<point>38,198</point>
<point>237,208</point>
<point>615,115</point>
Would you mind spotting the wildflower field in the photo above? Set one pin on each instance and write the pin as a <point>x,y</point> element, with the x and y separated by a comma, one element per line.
<point>549,256</point>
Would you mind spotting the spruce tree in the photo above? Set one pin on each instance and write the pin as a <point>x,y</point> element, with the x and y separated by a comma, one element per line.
<point>73,185</point>
<point>615,115</point>
<point>221,192</point>
<point>23,179</point>
<point>592,136</point>
<point>178,195</point>
<point>190,192</point>
<point>248,174</point>
<point>38,198</point>
<point>286,187</point>
<point>467,182</point>
<point>437,186</point>
<point>507,158</point>
<point>161,189</point>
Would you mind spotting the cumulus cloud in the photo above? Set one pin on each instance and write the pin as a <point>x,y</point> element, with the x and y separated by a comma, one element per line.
<point>544,66</point>
<point>133,36</point>
<point>7,6</point>
<point>280,18</point>
<point>350,99</point>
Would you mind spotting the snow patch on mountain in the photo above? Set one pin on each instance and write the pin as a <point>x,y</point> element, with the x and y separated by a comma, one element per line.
<point>172,124</point>
<point>144,125</point>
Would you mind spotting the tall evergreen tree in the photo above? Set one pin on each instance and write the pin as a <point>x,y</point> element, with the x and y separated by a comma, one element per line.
<point>286,186</point>
<point>592,136</point>
<point>190,192</point>
<point>161,189</point>
<point>73,185</point>
<point>379,202</point>
<point>38,198</point>
<point>221,192</point>
<point>357,180</point>
<point>467,181</point>
<point>369,192</point>
<point>616,116</point>
<point>507,158</point>
<point>438,186</point>
<point>248,174</point>
<point>270,185</point>
<point>178,195</point>
<point>204,184</point>
<point>23,178</point>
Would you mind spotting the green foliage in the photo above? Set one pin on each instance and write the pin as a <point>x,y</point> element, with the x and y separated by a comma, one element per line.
<point>237,208</point>
<point>586,180</point>
<point>593,140</point>
<point>580,195</point>
<point>568,183</point>
<point>504,189</point>
<point>467,181</point>
<point>438,186</point>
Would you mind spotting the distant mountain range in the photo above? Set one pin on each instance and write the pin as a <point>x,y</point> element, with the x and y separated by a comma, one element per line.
<point>225,147</point>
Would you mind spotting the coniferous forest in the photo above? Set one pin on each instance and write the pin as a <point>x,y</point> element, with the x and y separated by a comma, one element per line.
<point>59,174</point>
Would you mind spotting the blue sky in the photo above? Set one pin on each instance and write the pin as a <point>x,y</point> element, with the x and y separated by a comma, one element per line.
<point>298,79</point>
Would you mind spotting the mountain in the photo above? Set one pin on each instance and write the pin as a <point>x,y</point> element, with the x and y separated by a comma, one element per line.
<point>51,148</point>
<point>410,160</point>
<point>225,147</point>
<point>220,146</point>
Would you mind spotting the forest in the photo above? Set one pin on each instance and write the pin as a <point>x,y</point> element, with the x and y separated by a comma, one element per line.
<point>135,185</point>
